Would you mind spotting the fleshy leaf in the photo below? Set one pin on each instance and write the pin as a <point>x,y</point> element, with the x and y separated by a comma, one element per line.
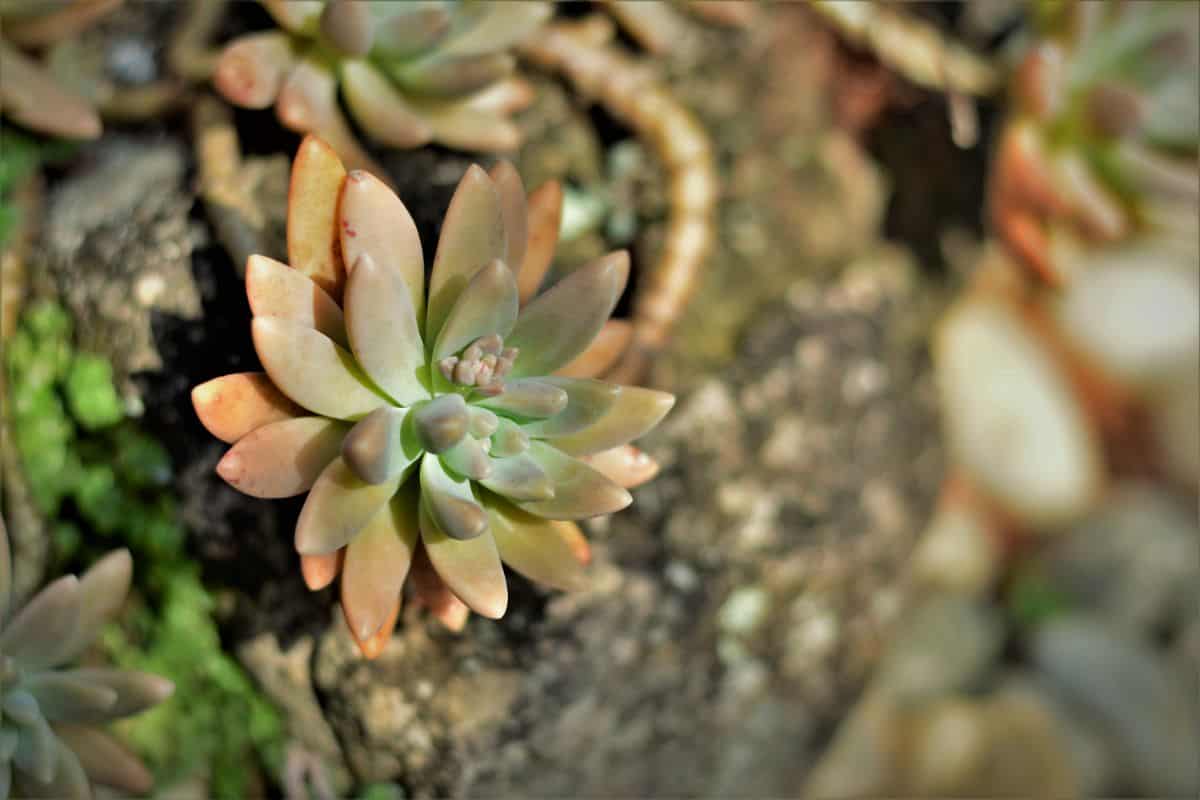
<point>520,478</point>
<point>464,125</point>
<point>635,412</point>
<point>36,749</point>
<point>579,491</point>
<point>277,290</point>
<point>312,369</point>
<point>588,400</point>
<point>283,459</point>
<point>320,570</point>
<point>625,466</point>
<point>297,16</point>
<point>136,691</point>
<point>234,405</point>
<point>441,423</point>
<point>69,781</point>
<point>31,97</point>
<point>104,759</point>
<point>602,353</point>
<point>251,69</point>
<point>377,562</point>
<point>40,633</point>
<point>5,573</point>
<point>102,591</point>
<point>500,26</point>
<point>450,502</point>
<point>382,111</point>
<point>439,75</point>
<point>560,323</point>
<point>308,104</point>
<point>63,695</point>
<point>527,399</point>
<point>383,330</point>
<point>544,214</point>
<point>535,547</point>
<point>468,459</point>
<point>373,220</point>
<point>411,30</point>
<point>472,236</point>
<point>508,440</point>
<point>312,241</point>
<point>482,423</point>
<point>486,305</point>
<point>512,208</point>
<point>348,26</point>
<point>469,567</point>
<point>372,647</point>
<point>430,590</point>
<point>339,506</point>
<point>375,448</point>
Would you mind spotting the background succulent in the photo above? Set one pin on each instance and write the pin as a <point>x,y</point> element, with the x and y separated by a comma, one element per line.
<point>410,73</point>
<point>50,745</point>
<point>428,422</point>
<point>29,94</point>
<point>1106,140</point>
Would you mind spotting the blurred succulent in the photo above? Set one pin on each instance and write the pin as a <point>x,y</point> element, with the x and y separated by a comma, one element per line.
<point>436,427</point>
<point>1105,141</point>
<point>29,94</point>
<point>50,742</point>
<point>410,72</point>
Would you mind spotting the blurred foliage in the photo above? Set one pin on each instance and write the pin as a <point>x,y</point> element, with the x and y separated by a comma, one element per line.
<point>20,155</point>
<point>1033,598</point>
<point>103,483</point>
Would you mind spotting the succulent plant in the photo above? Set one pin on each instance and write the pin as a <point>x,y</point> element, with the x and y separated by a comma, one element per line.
<point>1105,143</point>
<point>436,425</point>
<point>29,94</point>
<point>410,72</point>
<point>51,744</point>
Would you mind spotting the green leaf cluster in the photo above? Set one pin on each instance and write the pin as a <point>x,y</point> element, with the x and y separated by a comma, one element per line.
<point>20,155</point>
<point>101,482</point>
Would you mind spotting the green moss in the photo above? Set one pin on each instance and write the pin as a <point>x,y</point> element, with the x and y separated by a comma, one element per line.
<point>20,155</point>
<point>103,483</point>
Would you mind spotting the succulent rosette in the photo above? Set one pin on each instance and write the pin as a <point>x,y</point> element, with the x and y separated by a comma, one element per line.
<point>436,425</point>
<point>30,95</point>
<point>51,740</point>
<point>409,72</point>
<point>1105,143</point>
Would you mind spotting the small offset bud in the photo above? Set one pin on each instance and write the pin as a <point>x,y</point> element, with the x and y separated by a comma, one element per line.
<point>509,353</point>
<point>446,367</point>
<point>494,389</point>
<point>473,353</point>
<point>441,423</point>
<point>490,344</point>
<point>483,375</point>
<point>464,373</point>
<point>468,459</point>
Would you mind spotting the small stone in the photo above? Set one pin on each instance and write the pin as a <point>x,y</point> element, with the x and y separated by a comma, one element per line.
<point>743,611</point>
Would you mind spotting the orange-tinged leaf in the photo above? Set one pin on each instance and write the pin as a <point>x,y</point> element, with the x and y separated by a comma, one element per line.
<point>373,220</point>
<point>469,567</point>
<point>312,369</point>
<point>312,238</point>
<point>535,547</point>
<point>234,405</point>
<point>338,507</point>
<point>372,647</point>
<point>251,69</point>
<point>472,236</point>
<point>602,353</point>
<point>430,591</point>
<point>544,217</point>
<point>283,459</point>
<point>512,207</point>
<point>320,570</point>
<point>277,290</point>
<point>625,466</point>
<point>377,562</point>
